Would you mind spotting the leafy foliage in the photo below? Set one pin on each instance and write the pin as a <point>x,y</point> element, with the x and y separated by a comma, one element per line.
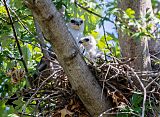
<point>25,32</point>
<point>23,22</point>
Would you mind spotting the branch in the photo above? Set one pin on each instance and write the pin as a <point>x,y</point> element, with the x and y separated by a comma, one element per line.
<point>41,39</point>
<point>15,36</point>
<point>12,58</point>
<point>86,9</point>
<point>104,33</point>
<point>20,21</point>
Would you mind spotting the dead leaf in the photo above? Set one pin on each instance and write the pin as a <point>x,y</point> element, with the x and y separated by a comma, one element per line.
<point>65,112</point>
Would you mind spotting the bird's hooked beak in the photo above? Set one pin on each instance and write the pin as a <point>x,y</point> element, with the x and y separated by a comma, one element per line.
<point>77,27</point>
<point>84,41</point>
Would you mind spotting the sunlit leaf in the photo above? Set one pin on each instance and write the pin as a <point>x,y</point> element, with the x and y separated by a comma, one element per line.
<point>94,34</point>
<point>38,57</point>
<point>36,49</point>
<point>108,38</point>
<point>3,10</point>
<point>101,45</point>
<point>130,13</point>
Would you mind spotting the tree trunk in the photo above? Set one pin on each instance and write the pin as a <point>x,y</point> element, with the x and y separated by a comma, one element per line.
<point>136,49</point>
<point>154,44</point>
<point>80,77</point>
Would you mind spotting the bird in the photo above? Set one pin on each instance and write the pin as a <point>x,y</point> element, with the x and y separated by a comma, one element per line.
<point>76,28</point>
<point>91,50</point>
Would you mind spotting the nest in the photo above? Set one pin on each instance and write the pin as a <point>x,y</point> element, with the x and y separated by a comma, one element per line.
<point>121,83</point>
<point>53,96</point>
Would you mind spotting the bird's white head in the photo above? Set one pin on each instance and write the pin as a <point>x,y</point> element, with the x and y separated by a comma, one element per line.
<point>88,41</point>
<point>76,24</point>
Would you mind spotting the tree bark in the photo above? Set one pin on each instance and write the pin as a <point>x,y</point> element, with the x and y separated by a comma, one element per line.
<point>80,77</point>
<point>154,44</point>
<point>136,49</point>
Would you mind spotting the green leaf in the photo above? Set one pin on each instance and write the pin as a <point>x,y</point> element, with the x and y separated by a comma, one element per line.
<point>12,115</point>
<point>26,53</point>
<point>136,35</point>
<point>138,109</point>
<point>38,57</point>
<point>94,34</point>
<point>108,38</point>
<point>16,3</point>
<point>6,42</point>
<point>30,47</point>
<point>19,102</point>
<point>101,43</point>
<point>136,100</point>
<point>158,15</point>
<point>130,13</point>
<point>3,10</point>
<point>36,49</point>
<point>10,64</point>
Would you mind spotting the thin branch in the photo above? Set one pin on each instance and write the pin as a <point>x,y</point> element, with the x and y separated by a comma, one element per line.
<point>41,39</point>
<point>24,107</point>
<point>104,81</point>
<point>26,114</point>
<point>4,20</point>
<point>144,90</point>
<point>120,113</point>
<point>104,33</point>
<point>109,112</point>
<point>86,9</point>
<point>12,58</point>
<point>15,35</point>
<point>153,81</point>
<point>151,106</point>
<point>20,21</point>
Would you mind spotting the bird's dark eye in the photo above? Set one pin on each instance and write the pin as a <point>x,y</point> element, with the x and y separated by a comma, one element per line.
<point>86,39</point>
<point>80,42</point>
<point>72,21</point>
<point>81,21</point>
